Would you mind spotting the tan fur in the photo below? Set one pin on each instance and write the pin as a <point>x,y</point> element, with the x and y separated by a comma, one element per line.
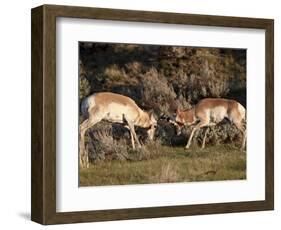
<point>185,116</point>
<point>105,98</point>
<point>211,111</point>
<point>114,108</point>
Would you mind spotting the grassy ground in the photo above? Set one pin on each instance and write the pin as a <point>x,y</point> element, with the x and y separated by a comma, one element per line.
<point>173,164</point>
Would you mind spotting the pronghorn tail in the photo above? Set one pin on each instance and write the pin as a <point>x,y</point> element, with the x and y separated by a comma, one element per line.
<point>85,107</point>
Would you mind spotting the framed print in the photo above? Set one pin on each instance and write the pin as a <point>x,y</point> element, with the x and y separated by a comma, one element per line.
<point>141,114</point>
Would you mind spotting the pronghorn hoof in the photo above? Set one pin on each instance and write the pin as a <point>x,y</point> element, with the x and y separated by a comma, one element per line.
<point>186,147</point>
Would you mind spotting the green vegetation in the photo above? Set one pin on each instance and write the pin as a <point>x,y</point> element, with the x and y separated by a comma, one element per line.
<point>174,164</point>
<point>162,78</point>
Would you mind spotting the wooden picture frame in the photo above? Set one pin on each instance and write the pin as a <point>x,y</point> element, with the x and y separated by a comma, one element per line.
<point>43,207</point>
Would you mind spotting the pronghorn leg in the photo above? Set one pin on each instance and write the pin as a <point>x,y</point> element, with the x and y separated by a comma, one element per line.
<point>190,138</point>
<point>210,125</point>
<point>84,157</point>
<point>132,137</point>
<point>197,127</point>
<point>82,154</point>
<point>132,140</point>
<point>132,131</point>
<point>204,139</point>
<point>135,136</point>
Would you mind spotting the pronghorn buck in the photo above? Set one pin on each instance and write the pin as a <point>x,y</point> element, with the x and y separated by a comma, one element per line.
<point>209,112</point>
<point>114,108</point>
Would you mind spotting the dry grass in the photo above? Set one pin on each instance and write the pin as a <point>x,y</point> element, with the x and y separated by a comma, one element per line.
<point>168,174</point>
<point>150,150</point>
<point>162,78</point>
<point>223,162</point>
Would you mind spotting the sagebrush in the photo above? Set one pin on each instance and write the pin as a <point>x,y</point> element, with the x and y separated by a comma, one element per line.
<point>161,78</point>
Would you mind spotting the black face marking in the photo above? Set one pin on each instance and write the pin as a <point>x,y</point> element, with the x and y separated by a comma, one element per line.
<point>179,123</point>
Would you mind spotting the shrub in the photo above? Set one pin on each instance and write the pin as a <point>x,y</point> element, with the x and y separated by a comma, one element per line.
<point>84,85</point>
<point>164,78</point>
<point>103,146</point>
<point>115,75</point>
<point>156,92</point>
<point>220,134</point>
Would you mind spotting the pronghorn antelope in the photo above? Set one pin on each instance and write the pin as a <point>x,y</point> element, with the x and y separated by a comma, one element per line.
<point>114,108</point>
<point>209,112</point>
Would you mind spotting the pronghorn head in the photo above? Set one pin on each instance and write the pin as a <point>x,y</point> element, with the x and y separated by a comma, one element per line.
<point>183,117</point>
<point>178,128</point>
<point>179,121</point>
<point>178,117</point>
<point>152,125</point>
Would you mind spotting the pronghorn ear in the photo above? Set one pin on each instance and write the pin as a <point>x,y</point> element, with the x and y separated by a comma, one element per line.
<point>178,110</point>
<point>150,113</point>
